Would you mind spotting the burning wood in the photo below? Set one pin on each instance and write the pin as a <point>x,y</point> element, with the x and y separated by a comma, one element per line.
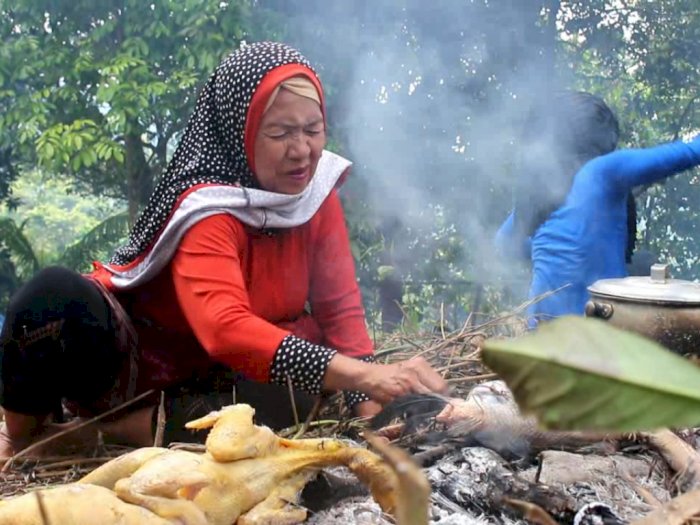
<point>486,456</point>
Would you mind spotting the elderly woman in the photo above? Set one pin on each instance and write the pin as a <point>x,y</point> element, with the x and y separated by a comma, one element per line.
<point>574,215</point>
<point>240,262</point>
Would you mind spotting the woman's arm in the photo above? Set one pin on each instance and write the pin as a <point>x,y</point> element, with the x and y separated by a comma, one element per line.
<point>508,243</point>
<point>209,284</point>
<point>628,168</point>
<point>210,287</point>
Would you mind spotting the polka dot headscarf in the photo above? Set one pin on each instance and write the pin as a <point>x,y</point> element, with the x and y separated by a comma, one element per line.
<point>213,147</point>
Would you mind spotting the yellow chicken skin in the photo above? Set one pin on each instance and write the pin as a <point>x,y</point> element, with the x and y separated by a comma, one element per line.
<point>247,475</point>
<point>80,504</point>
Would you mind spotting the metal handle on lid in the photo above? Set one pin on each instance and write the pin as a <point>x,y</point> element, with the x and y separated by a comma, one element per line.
<point>660,273</point>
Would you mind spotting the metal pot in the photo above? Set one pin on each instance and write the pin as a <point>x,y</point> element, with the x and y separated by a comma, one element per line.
<point>658,307</point>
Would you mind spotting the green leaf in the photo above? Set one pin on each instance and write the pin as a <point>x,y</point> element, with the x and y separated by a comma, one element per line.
<point>107,233</point>
<point>384,271</point>
<point>48,151</point>
<point>584,374</point>
<point>19,246</point>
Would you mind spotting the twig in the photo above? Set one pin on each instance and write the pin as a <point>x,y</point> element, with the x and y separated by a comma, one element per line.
<point>442,319</point>
<point>72,462</point>
<point>679,455</point>
<point>643,493</point>
<point>472,378</point>
<point>462,362</point>
<point>414,345</point>
<point>531,512</point>
<point>318,423</point>
<point>290,388</point>
<point>160,422</point>
<point>447,367</point>
<point>675,512</point>
<point>390,350</point>
<point>312,415</point>
<point>84,424</point>
<point>467,323</point>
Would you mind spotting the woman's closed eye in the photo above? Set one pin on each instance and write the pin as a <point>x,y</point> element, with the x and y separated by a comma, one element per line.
<point>313,131</point>
<point>282,134</point>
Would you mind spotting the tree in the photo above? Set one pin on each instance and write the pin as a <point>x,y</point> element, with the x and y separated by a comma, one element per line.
<point>53,225</point>
<point>100,91</point>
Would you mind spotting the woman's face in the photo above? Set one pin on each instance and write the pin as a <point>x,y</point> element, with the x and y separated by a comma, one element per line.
<point>289,143</point>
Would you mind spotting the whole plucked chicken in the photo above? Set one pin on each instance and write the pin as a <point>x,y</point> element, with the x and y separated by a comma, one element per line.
<point>248,475</point>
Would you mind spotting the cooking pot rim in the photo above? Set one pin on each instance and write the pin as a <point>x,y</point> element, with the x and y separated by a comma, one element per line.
<point>644,290</point>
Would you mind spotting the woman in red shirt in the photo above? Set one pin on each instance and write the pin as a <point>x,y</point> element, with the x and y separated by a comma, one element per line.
<point>241,259</point>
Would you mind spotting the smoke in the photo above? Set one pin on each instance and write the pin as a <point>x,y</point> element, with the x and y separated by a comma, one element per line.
<point>427,97</point>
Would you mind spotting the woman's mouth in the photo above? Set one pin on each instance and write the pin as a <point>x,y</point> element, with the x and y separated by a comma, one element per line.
<point>299,174</point>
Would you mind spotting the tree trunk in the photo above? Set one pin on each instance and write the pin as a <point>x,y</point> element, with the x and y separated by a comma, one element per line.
<point>139,175</point>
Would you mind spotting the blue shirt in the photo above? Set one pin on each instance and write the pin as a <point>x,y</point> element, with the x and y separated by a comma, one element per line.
<point>584,240</point>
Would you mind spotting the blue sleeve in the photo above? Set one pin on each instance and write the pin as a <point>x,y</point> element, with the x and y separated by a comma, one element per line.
<point>504,234</point>
<point>627,168</point>
<point>508,243</point>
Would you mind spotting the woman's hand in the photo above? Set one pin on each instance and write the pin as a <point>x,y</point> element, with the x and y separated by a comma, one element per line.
<point>381,382</point>
<point>367,409</point>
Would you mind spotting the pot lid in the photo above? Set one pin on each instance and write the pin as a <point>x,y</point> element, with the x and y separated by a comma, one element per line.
<point>658,287</point>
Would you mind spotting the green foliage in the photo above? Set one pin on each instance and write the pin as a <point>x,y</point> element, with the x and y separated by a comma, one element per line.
<point>16,244</point>
<point>642,58</point>
<point>97,244</point>
<point>52,224</point>
<point>20,257</point>
<point>98,94</point>
<point>54,215</point>
<point>97,91</point>
<point>584,374</point>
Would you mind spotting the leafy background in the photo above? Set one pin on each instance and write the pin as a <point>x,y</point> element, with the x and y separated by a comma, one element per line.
<point>424,97</point>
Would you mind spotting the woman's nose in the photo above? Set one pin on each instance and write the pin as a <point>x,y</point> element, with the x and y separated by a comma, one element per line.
<point>299,146</point>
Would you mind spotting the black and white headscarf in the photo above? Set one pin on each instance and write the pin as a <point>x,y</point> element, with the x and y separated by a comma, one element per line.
<point>212,157</point>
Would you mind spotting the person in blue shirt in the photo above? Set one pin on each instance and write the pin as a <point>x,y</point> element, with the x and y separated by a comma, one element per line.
<point>574,214</point>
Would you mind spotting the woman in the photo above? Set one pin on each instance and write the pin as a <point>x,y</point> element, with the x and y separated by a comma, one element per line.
<point>574,215</point>
<point>241,258</point>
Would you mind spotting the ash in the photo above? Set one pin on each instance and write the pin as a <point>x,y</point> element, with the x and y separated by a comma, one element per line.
<point>471,485</point>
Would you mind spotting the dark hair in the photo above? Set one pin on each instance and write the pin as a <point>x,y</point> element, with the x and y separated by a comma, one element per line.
<point>559,136</point>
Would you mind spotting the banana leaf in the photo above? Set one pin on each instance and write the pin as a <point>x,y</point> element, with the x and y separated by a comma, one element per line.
<point>576,373</point>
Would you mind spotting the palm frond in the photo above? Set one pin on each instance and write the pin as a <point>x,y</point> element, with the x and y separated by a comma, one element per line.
<point>19,248</point>
<point>102,239</point>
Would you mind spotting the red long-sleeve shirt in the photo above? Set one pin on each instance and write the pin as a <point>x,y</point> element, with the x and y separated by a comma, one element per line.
<point>232,294</point>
